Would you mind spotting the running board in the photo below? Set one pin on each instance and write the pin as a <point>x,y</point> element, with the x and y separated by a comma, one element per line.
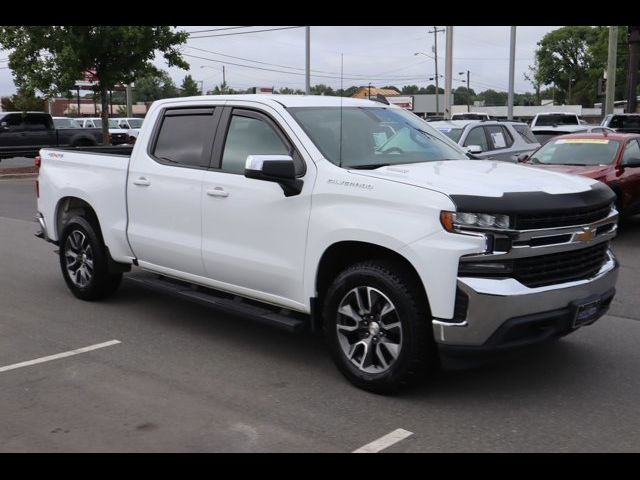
<point>218,301</point>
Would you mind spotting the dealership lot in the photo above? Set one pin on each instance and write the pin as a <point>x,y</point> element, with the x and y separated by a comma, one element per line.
<point>185,378</point>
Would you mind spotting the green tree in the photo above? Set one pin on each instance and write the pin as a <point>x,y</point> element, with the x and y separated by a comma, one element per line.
<point>24,101</point>
<point>321,89</point>
<point>600,51</point>
<point>565,58</point>
<point>52,58</point>
<point>410,90</point>
<point>463,96</point>
<point>189,87</point>
<point>155,86</point>
<point>493,98</point>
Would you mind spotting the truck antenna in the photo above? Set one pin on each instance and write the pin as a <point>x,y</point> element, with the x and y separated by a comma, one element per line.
<point>341,97</point>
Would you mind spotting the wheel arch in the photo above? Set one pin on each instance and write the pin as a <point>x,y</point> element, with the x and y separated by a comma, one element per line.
<point>340,255</point>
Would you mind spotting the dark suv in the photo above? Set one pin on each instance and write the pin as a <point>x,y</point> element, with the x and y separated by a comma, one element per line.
<point>623,122</point>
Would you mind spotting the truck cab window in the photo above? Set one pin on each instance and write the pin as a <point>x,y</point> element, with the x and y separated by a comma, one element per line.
<point>249,136</point>
<point>184,139</point>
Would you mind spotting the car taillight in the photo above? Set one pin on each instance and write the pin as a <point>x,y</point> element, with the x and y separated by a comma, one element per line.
<point>38,161</point>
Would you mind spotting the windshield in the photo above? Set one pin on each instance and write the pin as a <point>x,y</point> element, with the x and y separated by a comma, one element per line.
<point>113,123</point>
<point>135,122</point>
<point>550,120</point>
<point>453,133</point>
<point>374,137</point>
<point>577,151</point>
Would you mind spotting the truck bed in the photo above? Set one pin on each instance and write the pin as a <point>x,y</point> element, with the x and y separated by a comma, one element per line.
<point>97,175</point>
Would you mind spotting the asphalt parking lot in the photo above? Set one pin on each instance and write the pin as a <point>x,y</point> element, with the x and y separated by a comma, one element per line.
<point>185,378</point>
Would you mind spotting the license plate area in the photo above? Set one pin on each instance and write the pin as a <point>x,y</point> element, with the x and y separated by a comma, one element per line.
<point>586,313</point>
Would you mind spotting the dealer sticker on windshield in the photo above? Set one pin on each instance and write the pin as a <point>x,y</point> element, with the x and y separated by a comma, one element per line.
<point>583,140</point>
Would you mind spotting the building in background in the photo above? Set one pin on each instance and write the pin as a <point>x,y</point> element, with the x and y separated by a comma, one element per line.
<point>373,92</point>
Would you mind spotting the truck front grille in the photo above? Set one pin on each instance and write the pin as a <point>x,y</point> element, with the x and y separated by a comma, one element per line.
<point>563,219</point>
<point>543,270</point>
<point>560,267</point>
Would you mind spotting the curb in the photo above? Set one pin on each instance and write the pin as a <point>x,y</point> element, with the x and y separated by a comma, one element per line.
<point>17,175</point>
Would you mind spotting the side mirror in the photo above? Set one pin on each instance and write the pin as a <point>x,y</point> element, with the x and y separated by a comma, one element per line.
<point>4,126</point>
<point>274,168</point>
<point>474,149</point>
<point>523,157</point>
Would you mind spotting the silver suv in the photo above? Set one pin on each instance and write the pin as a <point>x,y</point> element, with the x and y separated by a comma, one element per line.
<point>490,140</point>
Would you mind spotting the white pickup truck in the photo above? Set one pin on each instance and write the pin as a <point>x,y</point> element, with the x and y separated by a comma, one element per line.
<point>348,216</point>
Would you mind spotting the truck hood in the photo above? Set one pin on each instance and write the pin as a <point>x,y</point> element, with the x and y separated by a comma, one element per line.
<point>480,178</point>
<point>591,171</point>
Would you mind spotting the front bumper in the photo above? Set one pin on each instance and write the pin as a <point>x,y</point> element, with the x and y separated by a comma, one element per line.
<point>503,313</point>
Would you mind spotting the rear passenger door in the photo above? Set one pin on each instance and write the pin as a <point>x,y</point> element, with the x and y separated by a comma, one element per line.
<point>500,143</point>
<point>165,191</point>
<point>253,237</point>
<point>39,131</point>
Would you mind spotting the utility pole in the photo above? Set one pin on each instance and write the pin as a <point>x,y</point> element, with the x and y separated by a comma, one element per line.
<point>435,32</point>
<point>468,92</point>
<point>632,82</point>
<point>611,69</point>
<point>369,90</point>
<point>307,74</point>
<point>512,69</point>
<point>448,73</point>
<point>224,80</point>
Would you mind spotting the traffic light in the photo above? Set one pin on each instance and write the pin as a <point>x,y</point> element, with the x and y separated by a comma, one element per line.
<point>602,87</point>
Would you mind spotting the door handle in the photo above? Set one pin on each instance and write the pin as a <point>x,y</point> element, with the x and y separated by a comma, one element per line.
<point>217,192</point>
<point>142,182</point>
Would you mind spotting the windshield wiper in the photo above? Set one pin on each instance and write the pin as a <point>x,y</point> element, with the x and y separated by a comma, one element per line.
<point>369,166</point>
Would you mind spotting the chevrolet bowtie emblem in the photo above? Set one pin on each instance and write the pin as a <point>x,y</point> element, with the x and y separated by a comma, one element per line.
<point>587,233</point>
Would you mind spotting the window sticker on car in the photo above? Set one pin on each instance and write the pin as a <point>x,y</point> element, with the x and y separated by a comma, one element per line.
<point>583,140</point>
<point>498,139</point>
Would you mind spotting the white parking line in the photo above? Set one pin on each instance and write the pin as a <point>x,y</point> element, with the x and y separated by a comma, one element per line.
<point>384,442</point>
<point>59,355</point>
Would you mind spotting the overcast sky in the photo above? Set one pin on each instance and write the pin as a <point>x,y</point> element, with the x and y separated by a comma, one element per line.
<point>380,55</point>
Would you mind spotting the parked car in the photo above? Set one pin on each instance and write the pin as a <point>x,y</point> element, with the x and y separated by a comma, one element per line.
<point>23,134</point>
<point>66,122</point>
<point>131,125</point>
<point>340,215</point>
<point>117,135</point>
<point>612,158</point>
<point>471,116</point>
<point>544,135</point>
<point>490,140</point>
<point>623,122</point>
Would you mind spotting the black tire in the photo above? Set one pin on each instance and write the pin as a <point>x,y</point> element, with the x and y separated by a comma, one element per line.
<point>99,283</point>
<point>389,282</point>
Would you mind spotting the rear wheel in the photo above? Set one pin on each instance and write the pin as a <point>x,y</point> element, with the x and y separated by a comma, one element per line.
<point>84,261</point>
<point>376,325</point>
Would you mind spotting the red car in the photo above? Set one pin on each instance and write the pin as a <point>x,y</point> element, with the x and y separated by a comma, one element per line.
<point>612,158</point>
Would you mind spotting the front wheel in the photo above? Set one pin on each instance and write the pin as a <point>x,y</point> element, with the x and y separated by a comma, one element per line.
<point>377,326</point>
<point>84,262</point>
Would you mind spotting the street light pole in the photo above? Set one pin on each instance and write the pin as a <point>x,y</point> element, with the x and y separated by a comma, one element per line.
<point>307,73</point>
<point>512,69</point>
<point>435,32</point>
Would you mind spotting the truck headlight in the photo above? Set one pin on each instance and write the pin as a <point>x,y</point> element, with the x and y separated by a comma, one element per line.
<point>454,221</point>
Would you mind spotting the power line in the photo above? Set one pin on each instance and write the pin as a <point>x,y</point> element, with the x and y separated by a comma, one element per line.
<point>245,33</point>
<point>218,29</point>
<point>351,77</point>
